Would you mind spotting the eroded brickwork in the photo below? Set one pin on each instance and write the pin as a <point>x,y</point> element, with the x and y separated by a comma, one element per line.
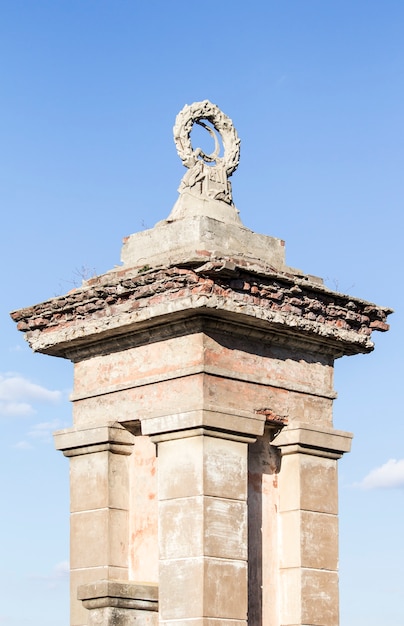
<point>284,300</point>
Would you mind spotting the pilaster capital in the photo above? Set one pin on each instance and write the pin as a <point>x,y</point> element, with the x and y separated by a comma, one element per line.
<point>233,425</point>
<point>111,437</point>
<point>303,438</point>
<point>207,432</point>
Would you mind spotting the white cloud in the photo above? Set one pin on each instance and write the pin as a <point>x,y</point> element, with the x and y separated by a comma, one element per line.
<point>15,409</point>
<point>23,445</point>
<point>57,576</point>
<point>61,570</point>
<point>16,348</point>
<point>18,394</point>
<point>387,476</point>
<point>43,431</point>
<point>39,433</point>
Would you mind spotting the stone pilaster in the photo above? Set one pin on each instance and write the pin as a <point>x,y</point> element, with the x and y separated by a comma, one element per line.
<point>308,523</point>
<point>99,500</point>
<point>203,578</point>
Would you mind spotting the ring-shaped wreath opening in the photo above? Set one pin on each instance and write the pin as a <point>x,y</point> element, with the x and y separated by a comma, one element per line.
<point>205,110</point>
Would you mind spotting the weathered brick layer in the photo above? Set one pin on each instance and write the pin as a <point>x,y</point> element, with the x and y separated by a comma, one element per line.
<point>282,299</point>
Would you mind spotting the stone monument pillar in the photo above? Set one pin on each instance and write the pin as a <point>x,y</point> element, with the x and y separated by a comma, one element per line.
<point>203,458</point>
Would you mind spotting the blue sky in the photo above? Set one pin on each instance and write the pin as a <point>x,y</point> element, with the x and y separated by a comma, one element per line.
<point>89,91</point>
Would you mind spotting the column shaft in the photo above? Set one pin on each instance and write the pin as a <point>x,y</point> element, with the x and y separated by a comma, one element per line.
<point>203,529</point>
<point>99,501</point>
<point>308,520</point>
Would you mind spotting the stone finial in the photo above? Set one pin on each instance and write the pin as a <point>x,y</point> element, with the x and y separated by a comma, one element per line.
<point>208,174</point>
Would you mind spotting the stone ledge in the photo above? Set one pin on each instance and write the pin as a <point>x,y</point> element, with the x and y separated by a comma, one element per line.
<point>113,438</point>
<point>303,438</point>
<point>117,593</point>
<point>229,425</point>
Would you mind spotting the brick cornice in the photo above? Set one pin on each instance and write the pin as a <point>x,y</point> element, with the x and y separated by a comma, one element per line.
<point>127,300</point>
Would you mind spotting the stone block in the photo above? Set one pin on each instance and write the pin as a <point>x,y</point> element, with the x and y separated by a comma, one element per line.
<point>311,409</point>
<point>203,526</point>
<point>309,597</point>
<point>225,524</point>
<point>309,483</point>
<point>319,541</point>
<point>309,540</point>
<point>318,484</point>
<point>96,411</point>
<point>88,549</point>
<point>99,480</point>
<point>202,465</point>
<point>225,468</point>
<point>267,363</point>
<point>120,616</point>
<point>181,527</point>
<point>212,588</point>
<point>143,364</point>
<point>320,598</point>
<point>164,397</point>
<point>180,238</point>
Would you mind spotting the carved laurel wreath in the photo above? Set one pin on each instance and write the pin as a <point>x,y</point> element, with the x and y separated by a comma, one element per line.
<point>205,110</point>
